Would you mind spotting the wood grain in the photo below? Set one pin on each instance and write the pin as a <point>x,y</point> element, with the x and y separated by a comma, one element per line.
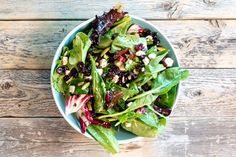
<point>199,44</point>
<point>151,9</point>
<point>54,137</point>
<point>207,92</point>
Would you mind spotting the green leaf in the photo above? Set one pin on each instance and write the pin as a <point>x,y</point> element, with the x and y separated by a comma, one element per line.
<point>81,44</point>
<point>165,81</point>
<point>104,137</point>
<point>168,99</point>
<point>153,49</point>
<point>120,27</point>
<point>127,41</point>
<point>98,88</point>
<point>147,100</point>
<point>130,65</point>
<point>140,128</point>
<point>154,68</point>
<point>127,92</point>
<point>150,119</point>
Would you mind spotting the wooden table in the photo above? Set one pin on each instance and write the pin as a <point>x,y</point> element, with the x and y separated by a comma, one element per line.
<point>204,35</point>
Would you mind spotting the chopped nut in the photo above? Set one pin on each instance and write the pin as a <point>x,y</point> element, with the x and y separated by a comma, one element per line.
<point>140,53</point>
<point>100,71</point>
<point>146,60</point>
<point>88,78</point>
<point>167,62</point>
<point>127,85</point>
<point>103,63</point>
<point>67,72</point>
<point>129,77</point>
<point>115,79</point>
<point>80,83</point>
<point>64,60</point>
<point>105,51</point>
<point>72,89</point>
<point>97,64</point>
<point>85,85</point>
<point>120,65</point>
<point>135,71</point>
<point>152,56</point>
<point>149,38</point>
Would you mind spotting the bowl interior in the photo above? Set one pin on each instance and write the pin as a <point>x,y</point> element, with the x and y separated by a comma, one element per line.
<point>122,136</point>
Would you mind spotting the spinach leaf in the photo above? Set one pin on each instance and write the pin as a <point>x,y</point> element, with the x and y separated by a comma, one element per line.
<point>120,27</point>
<point>153,49</point>
<point>127,41</point>
<point>168,99</point>
<point>140,128</point>
<point>81,44</point>
<point>59,84</point>
<point>130,65</point>
<point>150,119</point>
<point>147,100</point>
<point>165,81</point>
<point>127,92</point>
<point>154,68</point>
<point>98,88</point>
<point>105,137</point>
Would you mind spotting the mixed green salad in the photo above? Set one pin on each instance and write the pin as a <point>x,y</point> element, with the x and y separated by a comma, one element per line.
<point>116,75</point>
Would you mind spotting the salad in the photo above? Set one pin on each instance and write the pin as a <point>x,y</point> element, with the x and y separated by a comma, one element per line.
<point>116,75</point>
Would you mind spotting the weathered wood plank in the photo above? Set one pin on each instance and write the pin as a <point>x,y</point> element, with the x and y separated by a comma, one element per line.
<point>199,44</point>
<point>182,137</point>
<point>207,92</point>
<point>151,9</point>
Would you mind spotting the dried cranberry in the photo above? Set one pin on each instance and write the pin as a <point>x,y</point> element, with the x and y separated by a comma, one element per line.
<point>121,59</point>
<point>141,110</point>
<point>81,67</point>
<point>66,77</point>
<point>111,59</point>
<point>142,56</point>
<point>139,47</point>
<point>114,36</point>
<point>102,123</point>
<point>164,111</point>
<point>73,72</point>
<point>146,87</point>
<point>109,96</point>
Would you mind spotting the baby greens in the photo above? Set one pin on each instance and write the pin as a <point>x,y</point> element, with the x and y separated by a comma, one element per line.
<point>114,75</point>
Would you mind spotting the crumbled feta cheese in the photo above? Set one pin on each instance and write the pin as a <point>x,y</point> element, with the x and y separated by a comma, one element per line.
<point>72,89</point>
<point>127,85</point>
<point>152,56</point>
<point>103,63</point>
<point>140,53</point>
<point>128,124</point>
<point>146,60</point>
<point>100,71</point>
<point>67,72</point>
<point>149,38</point>
<point>115,79</point>
<point>129,104</point>
<point>97,64</point>
<point>143,69</point>
<point>167,62</point>
<point>64,60</point>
